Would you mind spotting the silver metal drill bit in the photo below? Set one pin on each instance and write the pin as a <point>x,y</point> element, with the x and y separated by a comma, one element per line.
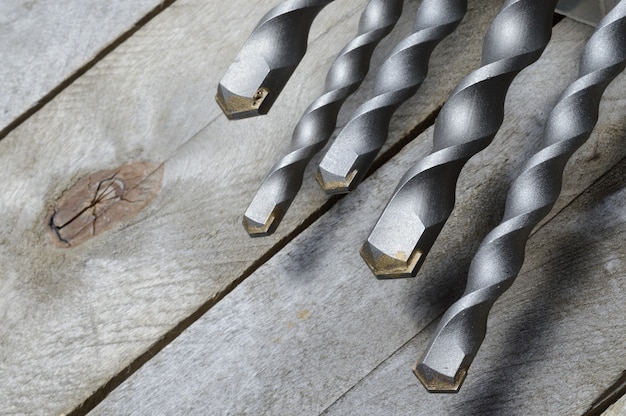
<point>267,59</point>
<point>351,154</point>
<point>467,123</point>
<point>532,195</point>
<point>281,186</point>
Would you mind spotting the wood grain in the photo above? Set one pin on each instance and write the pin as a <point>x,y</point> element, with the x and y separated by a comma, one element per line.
<point>71,320</point>
<point>44,42</point>
<point>310,323</point>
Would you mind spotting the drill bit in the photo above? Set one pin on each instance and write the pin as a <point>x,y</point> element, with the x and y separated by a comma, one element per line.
<point>349,157</point>
<point>279,189</point>
<point>267,59</point>
<point>532,195</point>
<point>467,123</point>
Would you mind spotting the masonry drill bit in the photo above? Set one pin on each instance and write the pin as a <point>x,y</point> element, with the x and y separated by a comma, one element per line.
<point>279,189</point>
<point>467,123</point>
<point>532,195</point>
<point>349,157</point>
<point>267,59</point>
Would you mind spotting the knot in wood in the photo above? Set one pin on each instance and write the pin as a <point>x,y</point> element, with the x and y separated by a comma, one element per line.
<point>101,200</point>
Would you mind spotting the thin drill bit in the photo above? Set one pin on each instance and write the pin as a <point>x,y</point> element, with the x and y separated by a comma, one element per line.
<point>281,186</point>
<point>267,59</point>
<point>531,196</point>
<point>467,123</point>
<point>349,157</point>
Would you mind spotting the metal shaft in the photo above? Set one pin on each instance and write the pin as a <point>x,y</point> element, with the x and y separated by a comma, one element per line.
<point>281,186</point>
<point>349,157</point>
<point>267,59</point>
<point>467,123</point>
<point>532,195</point>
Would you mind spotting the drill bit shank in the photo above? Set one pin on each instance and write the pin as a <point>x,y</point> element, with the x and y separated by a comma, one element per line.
<point>467,123</point>
<point>349,157</point>
<point>281,186</point>
<point>532,195</point>
<point>267,59</point>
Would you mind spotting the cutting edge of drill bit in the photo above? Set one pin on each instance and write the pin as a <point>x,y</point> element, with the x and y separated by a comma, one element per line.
<point>267,59</point>
<point>388,267</point>
<point>315,127</point>
<point>467,123</point>
<point>437,383</point>
<point>236,107</point>
<point>353,151</point>
<point>531,197</point>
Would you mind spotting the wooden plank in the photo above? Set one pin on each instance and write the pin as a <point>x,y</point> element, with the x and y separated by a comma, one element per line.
<point>73,319</point>
<point>311,322</point>
<point>45,42</point>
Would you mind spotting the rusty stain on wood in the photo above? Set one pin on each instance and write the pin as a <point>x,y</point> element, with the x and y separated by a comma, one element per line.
<point>101,200</point>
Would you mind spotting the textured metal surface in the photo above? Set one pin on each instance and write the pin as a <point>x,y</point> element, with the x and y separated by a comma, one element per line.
<point>467,123</point>
<point>532,195</point>
<point>349,157</point>
<point>281,186</point>
<point>267,59</point>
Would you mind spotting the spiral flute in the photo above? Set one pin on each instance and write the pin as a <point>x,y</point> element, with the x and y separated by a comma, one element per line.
<point>267,59</point>
<point>467,123</point>
<point>349,157</point>
<point>532,195</point>
<point>281,186</point>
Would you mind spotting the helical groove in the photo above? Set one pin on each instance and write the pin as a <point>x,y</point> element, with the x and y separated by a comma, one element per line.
<point>531,197</point>
<point>267,59</point>
<point>467,123</point>
<point>351,154</point>
<point>318,122</point>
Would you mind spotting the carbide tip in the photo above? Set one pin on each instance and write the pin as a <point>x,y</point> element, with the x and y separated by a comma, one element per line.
<point>256,229</point>
<point>385,266</point>
<point>436,382</point>
<point>334,184</point>
<point>236,107</point>
<point>265,228</point>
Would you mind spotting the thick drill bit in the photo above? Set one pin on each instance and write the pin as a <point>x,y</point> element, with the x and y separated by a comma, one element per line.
<point>532,195</point>
<point>279,189</point>
<point>267,59</point>
<point>349,157</point>
<point>467,123</point>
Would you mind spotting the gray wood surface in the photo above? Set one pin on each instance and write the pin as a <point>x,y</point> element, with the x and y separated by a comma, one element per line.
<point>73,319</point>
<point>312,322</point>
<point>70,319</point>
<point>44,42</point>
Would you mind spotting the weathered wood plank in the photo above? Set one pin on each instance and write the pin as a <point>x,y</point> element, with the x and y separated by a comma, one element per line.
<point>310,323</point>
<point>45,42</point>
<point>72,319</point>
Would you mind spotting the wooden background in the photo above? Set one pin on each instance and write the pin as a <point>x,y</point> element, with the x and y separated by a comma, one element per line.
<point>177,311</point>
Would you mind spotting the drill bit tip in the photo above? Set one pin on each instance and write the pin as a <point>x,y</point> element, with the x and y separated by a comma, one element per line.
<point>334,184</point>
<point>437,382</point>
<point>385,266</point>
<point>237,107</point>
<point>399,244</point>
<point>263,228</point>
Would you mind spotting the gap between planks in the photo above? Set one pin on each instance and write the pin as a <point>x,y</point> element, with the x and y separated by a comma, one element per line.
<point>21,118</point>
<point>614,393</point>
<point>385,156</point>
